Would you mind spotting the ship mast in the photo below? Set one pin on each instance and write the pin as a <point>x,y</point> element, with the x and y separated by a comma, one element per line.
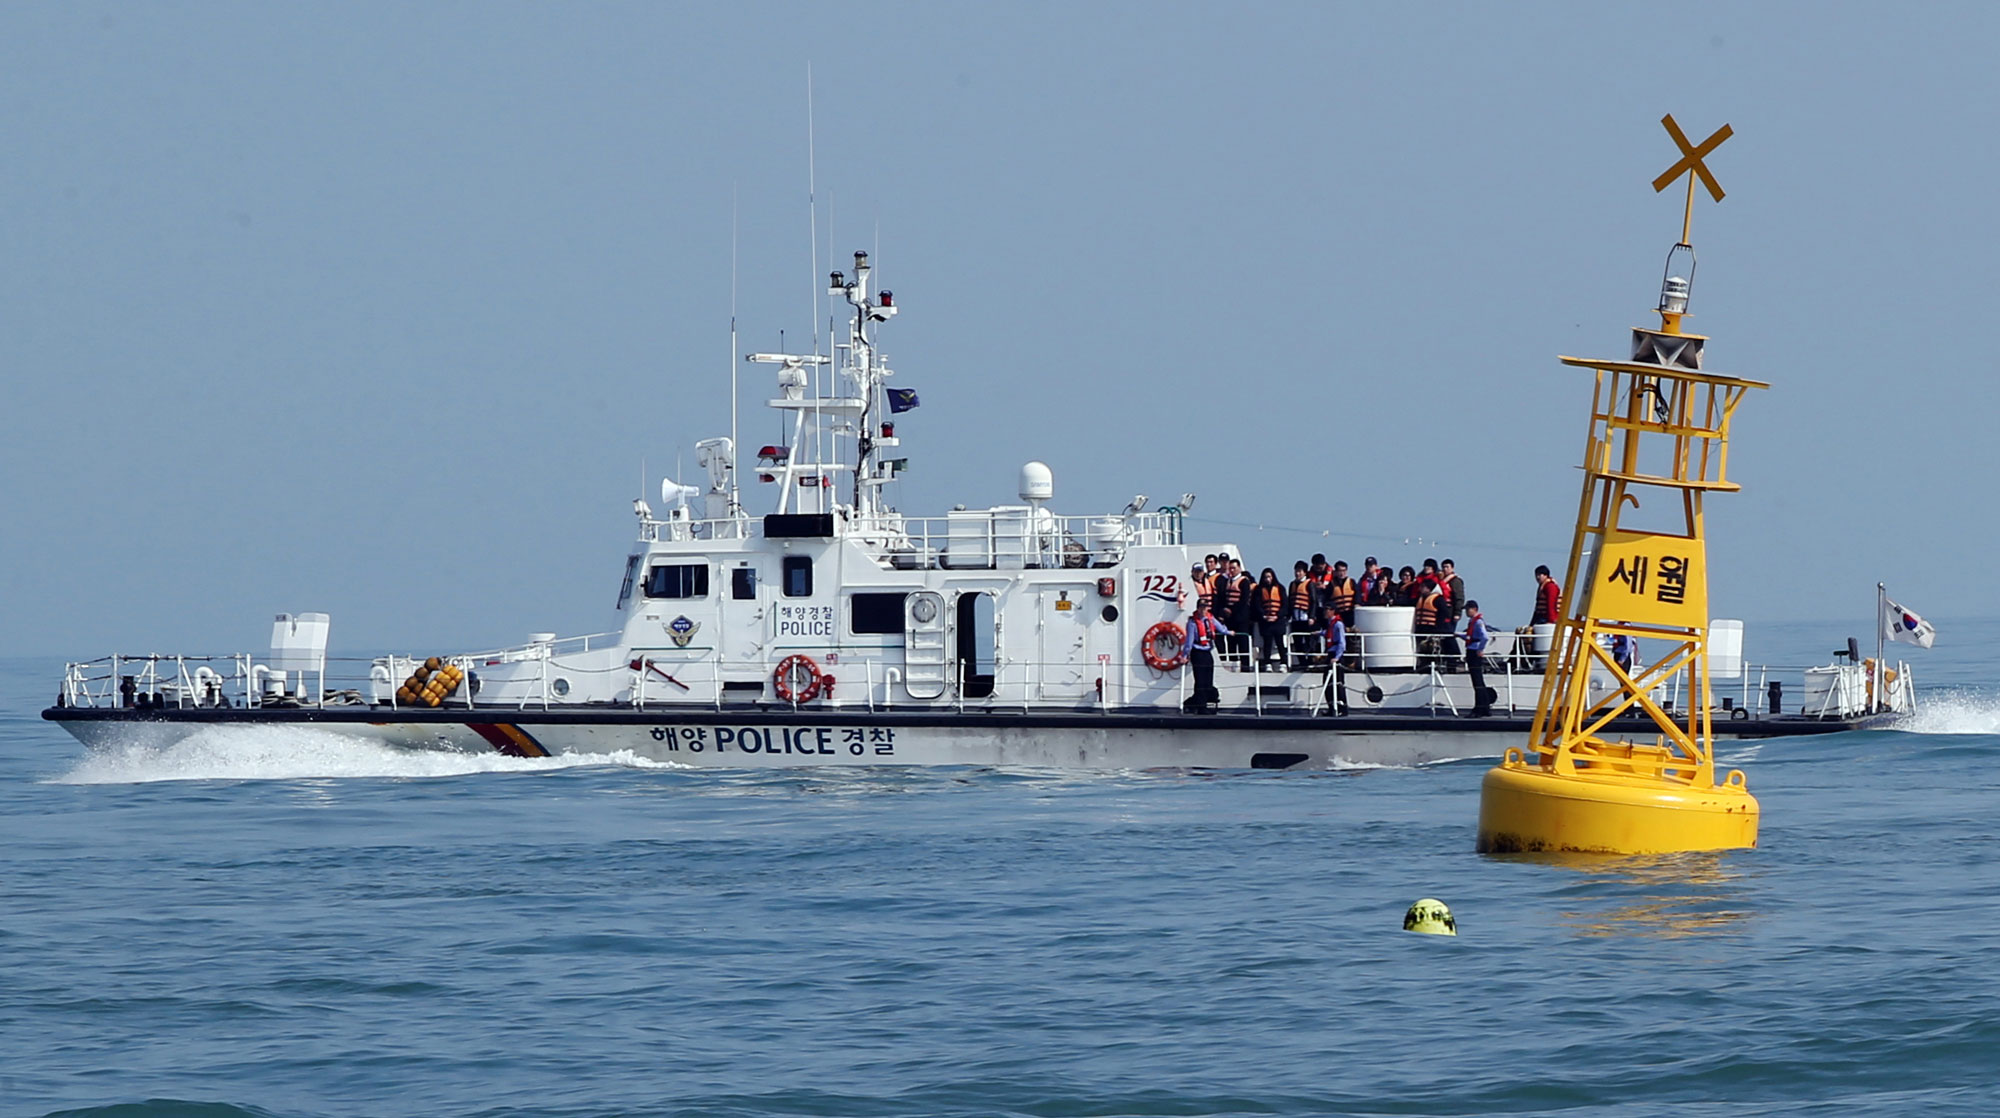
<point>852,407</point>
<point>866,371</point>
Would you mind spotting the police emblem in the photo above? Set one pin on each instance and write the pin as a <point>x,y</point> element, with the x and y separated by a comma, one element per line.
<point>681,630</point>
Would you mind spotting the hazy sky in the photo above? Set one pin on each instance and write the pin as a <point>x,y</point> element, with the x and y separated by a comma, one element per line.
<point>376,309</point>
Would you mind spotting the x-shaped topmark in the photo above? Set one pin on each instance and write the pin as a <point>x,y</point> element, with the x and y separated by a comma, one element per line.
<point>1691,157</point>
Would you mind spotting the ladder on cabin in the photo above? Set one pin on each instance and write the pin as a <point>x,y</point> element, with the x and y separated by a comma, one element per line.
<point>926,645</point>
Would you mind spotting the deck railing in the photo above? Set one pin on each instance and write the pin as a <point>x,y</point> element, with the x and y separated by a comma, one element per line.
<point>670,678</point>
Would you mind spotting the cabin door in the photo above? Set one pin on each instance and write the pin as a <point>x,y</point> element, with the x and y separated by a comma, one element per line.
<point>926,644</point>
<point>1063,668</point>
<point>978,644</point>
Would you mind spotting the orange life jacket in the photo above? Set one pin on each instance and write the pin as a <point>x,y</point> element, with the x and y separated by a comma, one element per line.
<point>1302,594</point>
<point>1342,592</point>
<point>1270,602</point>
<point>1204,589</point>
<point>1427,609</point>
<point>1225,592</point>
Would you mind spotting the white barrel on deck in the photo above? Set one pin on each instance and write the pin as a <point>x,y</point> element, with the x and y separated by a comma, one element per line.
<point>1387,636</point>
<point>1545,638</point>
<point>1725,649</point>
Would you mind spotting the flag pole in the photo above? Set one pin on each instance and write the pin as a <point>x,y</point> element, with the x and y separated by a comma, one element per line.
<point>1881,621</point>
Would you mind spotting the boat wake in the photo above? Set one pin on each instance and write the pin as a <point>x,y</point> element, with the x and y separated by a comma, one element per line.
<point>1953,712</point>
<point>310,753</point>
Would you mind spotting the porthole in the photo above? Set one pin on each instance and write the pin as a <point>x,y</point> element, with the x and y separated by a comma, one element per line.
<point>924,610</point>
<point>1109,613</point>
<point>560,686</point>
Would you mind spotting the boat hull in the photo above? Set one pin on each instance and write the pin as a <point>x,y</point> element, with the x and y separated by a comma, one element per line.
<point>751,738</point>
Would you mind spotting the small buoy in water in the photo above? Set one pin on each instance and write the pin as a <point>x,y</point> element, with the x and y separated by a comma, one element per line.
<point>1430,917</point>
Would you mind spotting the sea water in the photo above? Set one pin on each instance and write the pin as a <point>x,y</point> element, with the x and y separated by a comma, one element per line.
<point>295,924</point>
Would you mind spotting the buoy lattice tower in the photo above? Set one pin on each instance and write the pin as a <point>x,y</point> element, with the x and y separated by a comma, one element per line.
<point>1657,446</point>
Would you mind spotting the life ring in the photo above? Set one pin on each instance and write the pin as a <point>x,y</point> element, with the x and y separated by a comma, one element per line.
<point>1161,646</point>
<point>797,679</point>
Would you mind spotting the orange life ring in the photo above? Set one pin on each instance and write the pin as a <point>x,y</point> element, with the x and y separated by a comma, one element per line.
<point>1161,646</point>
<point>797,679</point>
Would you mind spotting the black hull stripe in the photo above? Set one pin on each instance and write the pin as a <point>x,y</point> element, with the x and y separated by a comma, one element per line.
<point>520,720</point>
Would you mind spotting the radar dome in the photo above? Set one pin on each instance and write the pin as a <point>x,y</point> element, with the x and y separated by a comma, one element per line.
<point>1038,482</point>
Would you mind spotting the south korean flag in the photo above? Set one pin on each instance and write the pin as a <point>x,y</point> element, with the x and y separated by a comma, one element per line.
<point>1899,624</point>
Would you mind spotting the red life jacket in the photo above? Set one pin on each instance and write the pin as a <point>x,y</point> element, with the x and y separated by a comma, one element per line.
<point>1204,631</point>
<point>1548,603</point>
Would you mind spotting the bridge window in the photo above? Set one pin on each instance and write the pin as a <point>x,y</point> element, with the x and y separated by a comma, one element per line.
<point>631,576</point>
<point>743,584</point>
<point>798,576</point>
<point>682,580</point>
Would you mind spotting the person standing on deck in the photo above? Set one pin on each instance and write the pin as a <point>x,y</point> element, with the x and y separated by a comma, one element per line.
<point>1476,638</point>
<point>1271,618</point>
<point>1548,599</point>
<point>1453,606</point>
<point>1336,649</point>
<point>1198,646</point>
<point>1304,601</point>
<point>1224,590</point>
<point>1341,593</point>
<point>1242,615</point>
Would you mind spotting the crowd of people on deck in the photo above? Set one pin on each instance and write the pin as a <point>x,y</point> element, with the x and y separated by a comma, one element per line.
<point>1277,623</point>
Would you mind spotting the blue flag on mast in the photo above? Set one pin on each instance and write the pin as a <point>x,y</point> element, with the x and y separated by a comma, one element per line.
<point>901,399</point>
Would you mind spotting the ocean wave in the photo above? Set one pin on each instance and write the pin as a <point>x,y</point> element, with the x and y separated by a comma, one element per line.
<point>310,753</point>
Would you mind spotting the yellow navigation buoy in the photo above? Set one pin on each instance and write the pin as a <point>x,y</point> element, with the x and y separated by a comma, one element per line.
<point>1430,917</point>
<point>1637,616</point>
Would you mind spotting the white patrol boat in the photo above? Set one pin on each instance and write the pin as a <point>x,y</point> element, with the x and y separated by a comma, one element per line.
<point>834,630</point>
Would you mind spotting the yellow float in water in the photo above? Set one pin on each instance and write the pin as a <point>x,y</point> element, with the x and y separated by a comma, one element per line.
<point>1637,614</point>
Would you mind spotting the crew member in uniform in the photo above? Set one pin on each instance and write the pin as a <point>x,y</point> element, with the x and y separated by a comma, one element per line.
<point>1476,638</point>
<point>1198,646</point>
<point>1336,649</point>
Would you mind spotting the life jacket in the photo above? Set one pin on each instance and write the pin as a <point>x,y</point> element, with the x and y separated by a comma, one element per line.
<point>1302,594</point>
<point>1270,602</point>
<point>1224,590</point>
<point>1342,591</point>
<point>1204,631</point>
<point>1427,608</point>
<point>1548,603</point>
<point>1204,589</point>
